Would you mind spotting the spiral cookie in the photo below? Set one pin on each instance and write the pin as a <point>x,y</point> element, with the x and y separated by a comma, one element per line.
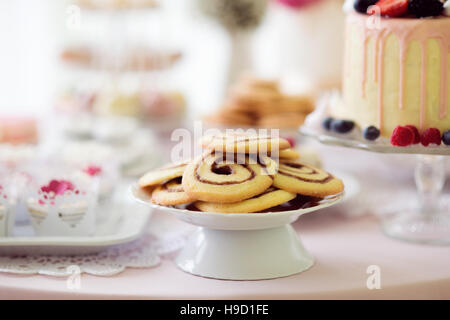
<point>268,199</point>
<point>214,177</point>
<point>288,154</point>
<point>171,193</point>
<point>298,177</point>
<point>165,173</point>
<point>243,143</point>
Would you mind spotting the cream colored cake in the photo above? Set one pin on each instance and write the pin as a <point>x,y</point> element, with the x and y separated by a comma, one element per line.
<point>396,72</point>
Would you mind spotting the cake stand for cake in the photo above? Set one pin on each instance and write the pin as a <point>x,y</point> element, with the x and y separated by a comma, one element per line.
<point>429,222</point>
<point>241,246</point>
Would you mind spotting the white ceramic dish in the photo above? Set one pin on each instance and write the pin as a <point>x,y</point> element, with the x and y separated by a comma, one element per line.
<point>124,222</point>
<point>241,246</point>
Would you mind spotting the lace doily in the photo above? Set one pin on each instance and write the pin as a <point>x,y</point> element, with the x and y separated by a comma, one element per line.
<point>145,252</point>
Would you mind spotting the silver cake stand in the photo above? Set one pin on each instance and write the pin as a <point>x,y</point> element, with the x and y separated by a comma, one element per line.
<point>429,222</point>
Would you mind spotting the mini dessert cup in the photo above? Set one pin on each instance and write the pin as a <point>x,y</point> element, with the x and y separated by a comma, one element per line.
<point>61,203</point>
<point>107,175</point>
<point>8,200</point>
<point>93,161</point>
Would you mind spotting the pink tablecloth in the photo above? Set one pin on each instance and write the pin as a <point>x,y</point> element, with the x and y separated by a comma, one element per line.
<point>343,248</point>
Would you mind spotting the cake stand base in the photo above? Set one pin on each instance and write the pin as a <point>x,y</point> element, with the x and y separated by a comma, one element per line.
<point>244,254</point>
<point>417,227</point>
<point>429,222</point>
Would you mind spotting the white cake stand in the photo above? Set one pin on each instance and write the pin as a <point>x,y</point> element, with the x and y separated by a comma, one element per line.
<point>429,223</point>
<point>241,246</point>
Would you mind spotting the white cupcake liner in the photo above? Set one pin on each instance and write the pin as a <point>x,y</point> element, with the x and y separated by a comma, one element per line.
<point>7,214</point>
<point>8,201</point>
<point>69,214</point>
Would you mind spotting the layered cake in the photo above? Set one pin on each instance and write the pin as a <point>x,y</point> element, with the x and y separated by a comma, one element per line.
<point>396,71</point>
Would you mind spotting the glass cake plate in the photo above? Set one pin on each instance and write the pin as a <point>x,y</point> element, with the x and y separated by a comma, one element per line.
<point>429,222</point>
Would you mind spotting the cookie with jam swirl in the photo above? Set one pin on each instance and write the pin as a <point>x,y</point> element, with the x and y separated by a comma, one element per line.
<point>301,178</point>
<point>270,198</point>
<point>171,193</point>
<point>288,154</point>
<point>168,172</point>
<point>225,178</point>
<point>244,143</point>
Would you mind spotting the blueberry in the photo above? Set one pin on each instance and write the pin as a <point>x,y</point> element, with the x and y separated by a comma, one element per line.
<point>362,5</point>
<point>342,126</point>
<point>327,123</point>
<point>425,8</point>
<point>446,138</point>
<point>371,133</point>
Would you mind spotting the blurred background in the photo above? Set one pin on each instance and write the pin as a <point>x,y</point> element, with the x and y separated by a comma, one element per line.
<point>103,83</point>
<point>113,71</point>
<point>50,46</point>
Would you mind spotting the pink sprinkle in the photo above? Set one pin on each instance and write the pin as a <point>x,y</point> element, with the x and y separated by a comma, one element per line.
<point>93,170</point>
<point>296,3</point>
<point>41,202</point>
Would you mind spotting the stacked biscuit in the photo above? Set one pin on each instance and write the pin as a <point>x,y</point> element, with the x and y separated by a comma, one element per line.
<point>260,103</point>
<point>239,173</point>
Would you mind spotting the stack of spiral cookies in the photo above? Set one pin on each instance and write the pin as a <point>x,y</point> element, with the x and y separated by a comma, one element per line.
<point>240,173</point>
<point>260,103</point>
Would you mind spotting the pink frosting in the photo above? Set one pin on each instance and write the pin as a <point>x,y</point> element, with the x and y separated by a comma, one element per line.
<point>58,187</point>
<point>297,3</point>
<point>406,30</point>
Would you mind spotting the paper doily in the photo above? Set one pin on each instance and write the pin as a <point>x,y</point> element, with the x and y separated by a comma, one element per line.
<point>145,252</point>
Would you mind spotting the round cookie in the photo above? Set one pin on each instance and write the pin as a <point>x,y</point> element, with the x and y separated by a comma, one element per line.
<point>270,198</point>
<point>253,82</point>
<point>162,174</point>
<point>253,95</point>
<point>171,193</point>
<point>282,120</point>
<point>225,178</point>
<point>302,104</point>
<point>243,143</point>
<point>288,154</point>
<point>298,177</point>
<point>230,117</point>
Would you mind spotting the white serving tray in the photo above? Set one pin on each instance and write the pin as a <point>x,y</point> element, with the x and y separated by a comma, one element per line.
<point>118,222</point>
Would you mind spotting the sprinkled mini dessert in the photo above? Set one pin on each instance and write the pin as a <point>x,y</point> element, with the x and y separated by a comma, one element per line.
<point>60,207</point>
<point>235,175</point>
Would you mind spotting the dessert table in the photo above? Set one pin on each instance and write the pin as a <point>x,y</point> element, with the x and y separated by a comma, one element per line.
<point>345,240</point>
<point>344,249</point>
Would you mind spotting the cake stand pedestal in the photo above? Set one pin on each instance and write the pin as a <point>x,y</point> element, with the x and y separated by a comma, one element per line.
<point>429,222</point>
<point>241,246</point>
